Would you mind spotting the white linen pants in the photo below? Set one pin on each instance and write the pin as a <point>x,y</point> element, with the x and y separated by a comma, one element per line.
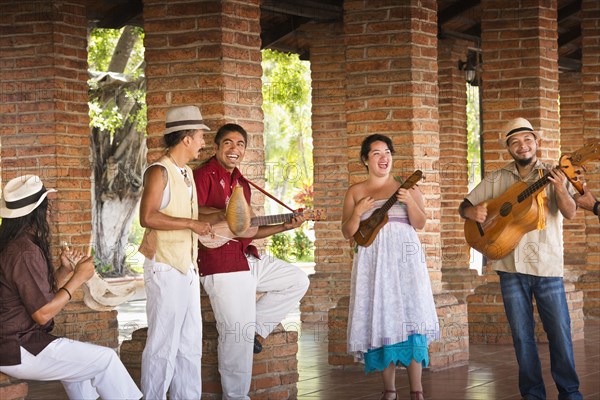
<point>86,370</point>
<point>173,352</point>
<point>239,316</point>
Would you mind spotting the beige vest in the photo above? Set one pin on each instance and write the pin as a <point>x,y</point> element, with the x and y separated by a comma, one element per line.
<point>179,248</point>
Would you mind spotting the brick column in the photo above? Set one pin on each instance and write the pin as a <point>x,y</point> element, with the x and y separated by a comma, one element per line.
<point>208,54</point>
<point>520,79</point>
<point>571,139</point>
<point>589,282</point>
<point>333,258</point>
<point>457,276</point>
<point>391,88</point>
<point>45,131</point>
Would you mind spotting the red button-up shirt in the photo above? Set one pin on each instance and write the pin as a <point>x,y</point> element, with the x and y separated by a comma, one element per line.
<point>214,185</point>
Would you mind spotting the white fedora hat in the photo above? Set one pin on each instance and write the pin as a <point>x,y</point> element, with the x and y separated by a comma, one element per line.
<point>22,195</point>
<point>184,118</point>
<point>518,125</point>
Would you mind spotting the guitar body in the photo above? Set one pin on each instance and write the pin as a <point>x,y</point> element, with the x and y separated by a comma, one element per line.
<point>506,223</point>
<point>368,229</point>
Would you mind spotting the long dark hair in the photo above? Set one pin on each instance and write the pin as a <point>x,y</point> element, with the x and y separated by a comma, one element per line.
<point>36,224</point>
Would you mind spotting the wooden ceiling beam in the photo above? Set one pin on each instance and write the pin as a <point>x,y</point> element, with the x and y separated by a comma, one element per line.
<point>569,10</point>
<point>569,36</point>
<point>455,10</point>
<point>304,8</point>
<point>284,30</point>
<point>121,15</point>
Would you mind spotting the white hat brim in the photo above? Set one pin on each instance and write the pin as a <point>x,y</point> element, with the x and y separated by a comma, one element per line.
<point>21,212</point>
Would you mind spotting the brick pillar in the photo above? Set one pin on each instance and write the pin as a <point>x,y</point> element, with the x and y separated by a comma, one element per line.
<point>520,79</point>
<point>571,139</point>
<point>391,88</point>
<point>208,54</point>
<point>589,282</point>
<point>12,389</point>
<point>333,258</point>
<point>457,276</point>
<point>45,131</point>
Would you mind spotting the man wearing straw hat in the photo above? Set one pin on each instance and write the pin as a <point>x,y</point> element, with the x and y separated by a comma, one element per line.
<point>32,292</point>
<point>169,212</point>
<point>535,267</point>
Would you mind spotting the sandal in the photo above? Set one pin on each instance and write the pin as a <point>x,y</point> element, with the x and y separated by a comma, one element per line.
<point>385,393</point>
<point>416,395</point>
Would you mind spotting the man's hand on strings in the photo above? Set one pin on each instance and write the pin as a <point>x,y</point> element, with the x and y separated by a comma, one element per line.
<point>558,179</point>
<point>294,223</point>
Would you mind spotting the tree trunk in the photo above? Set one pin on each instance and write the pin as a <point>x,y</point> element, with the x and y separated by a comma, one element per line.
<point>119,159</point>
<point>122,51</point>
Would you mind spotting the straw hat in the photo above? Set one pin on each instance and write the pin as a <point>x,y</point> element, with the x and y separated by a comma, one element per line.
<point>518,125</point>
<point>184,118</point>
<point>22,195</point>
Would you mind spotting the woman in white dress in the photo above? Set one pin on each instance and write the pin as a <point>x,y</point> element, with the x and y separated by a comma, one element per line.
<point>392,315</point>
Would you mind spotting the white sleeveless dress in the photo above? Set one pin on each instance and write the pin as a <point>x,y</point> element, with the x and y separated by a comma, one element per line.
<point>391,297</point>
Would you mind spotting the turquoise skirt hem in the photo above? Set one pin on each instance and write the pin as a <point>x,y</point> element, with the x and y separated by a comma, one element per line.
<point>415,348</point>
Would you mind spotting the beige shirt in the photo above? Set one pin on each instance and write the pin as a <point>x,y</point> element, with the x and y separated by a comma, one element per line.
<point>540,252</point>
<point>178,248</point>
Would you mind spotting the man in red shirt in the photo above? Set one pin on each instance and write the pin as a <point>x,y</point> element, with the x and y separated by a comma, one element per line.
<point>233,273</point>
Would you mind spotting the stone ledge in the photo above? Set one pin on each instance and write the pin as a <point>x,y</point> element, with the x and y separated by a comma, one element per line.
<point>274,373</point>
<point>12,389</point>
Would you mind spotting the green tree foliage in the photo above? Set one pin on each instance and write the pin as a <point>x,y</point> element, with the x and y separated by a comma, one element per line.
<point>288,146</point>
<point>473,136</point>
<point>287,134</point>
<point>102,44</point>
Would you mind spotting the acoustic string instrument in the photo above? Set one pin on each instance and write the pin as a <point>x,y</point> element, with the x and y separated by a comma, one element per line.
<point>514,213</point>
<point>368,229</point>
<point>222,234</point>
<point>237,212</point>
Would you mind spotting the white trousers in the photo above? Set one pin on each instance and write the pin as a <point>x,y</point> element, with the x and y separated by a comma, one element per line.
<point>239,316</point>
<point>173,352</point>
<point>85,370</point>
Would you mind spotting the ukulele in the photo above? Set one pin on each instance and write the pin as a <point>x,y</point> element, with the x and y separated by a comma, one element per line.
<point>368,229</point>
<point>222,234</point>
<point>514,213</point>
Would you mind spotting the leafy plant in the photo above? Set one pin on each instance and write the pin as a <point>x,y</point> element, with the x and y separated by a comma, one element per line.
<point>279,246</point>
<point>303,248</point>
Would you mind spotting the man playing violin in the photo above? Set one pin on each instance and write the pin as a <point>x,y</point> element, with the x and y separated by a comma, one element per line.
<point>588,202</point>
<point>233,273</point>
<point>535,267</point>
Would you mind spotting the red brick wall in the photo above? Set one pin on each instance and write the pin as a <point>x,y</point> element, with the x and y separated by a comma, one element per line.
<point>333,256</point>
<point>391,88</point>
<point>457,276</point>
<point>274,373</point>
<point>590,79</point>
<point>11,390</point>
<point>571,139</point>
<point>44,126</point>
<point>43,112</point>
<point>206,54</point>
<point>520,73</point>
